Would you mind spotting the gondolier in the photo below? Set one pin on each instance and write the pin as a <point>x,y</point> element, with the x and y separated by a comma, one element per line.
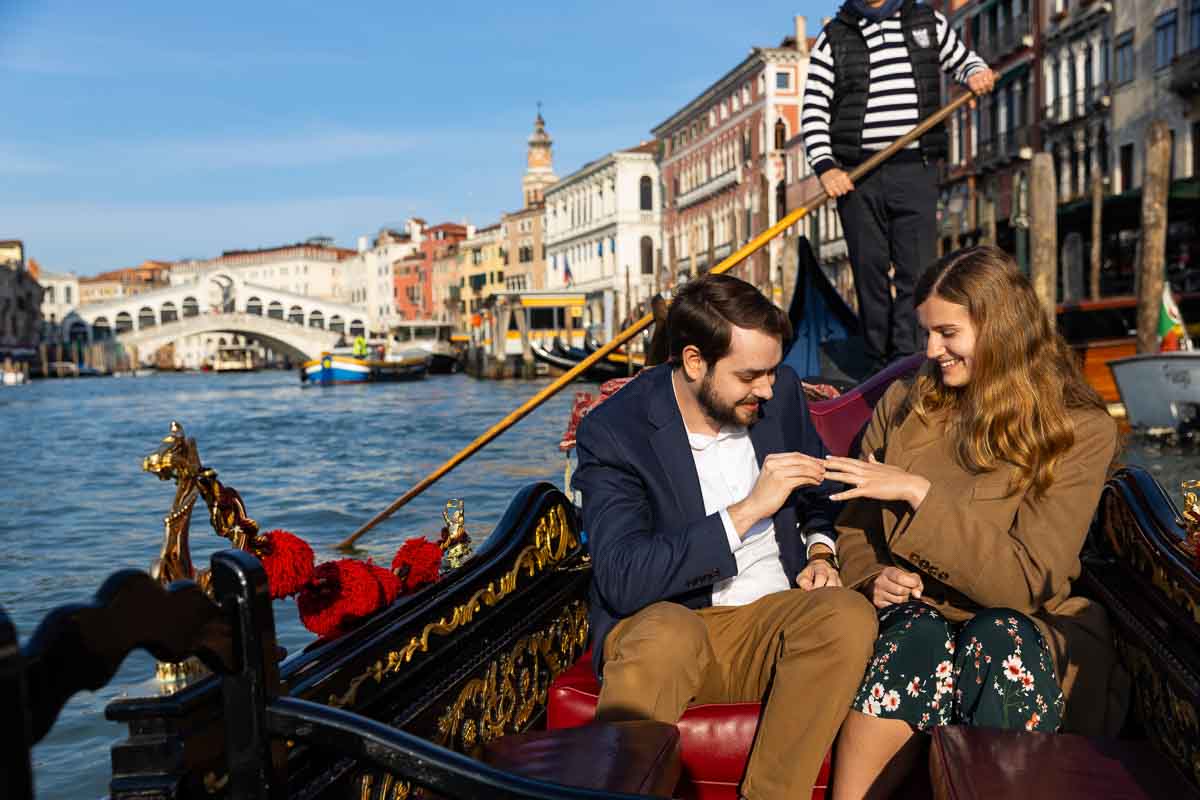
<point>873,76</point>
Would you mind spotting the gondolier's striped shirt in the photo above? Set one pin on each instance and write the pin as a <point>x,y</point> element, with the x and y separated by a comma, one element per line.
<point>892,109</point>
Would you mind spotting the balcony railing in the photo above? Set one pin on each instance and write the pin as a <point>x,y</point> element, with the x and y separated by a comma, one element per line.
<point>1012,37</point>
<point>1185,75</point>
<point>711,187</point>
<point>1076,105</point>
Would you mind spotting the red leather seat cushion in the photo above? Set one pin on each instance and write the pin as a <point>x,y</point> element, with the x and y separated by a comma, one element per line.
<point>839,420</point>
<point>715,738</point>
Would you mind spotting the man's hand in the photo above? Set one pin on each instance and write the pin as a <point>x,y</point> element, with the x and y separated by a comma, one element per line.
<point>782,473</point>
<point>981,81</point>
<point>818,573</point>
<point>894,586</point>
<point>836,182</point>
<point>877,481</point>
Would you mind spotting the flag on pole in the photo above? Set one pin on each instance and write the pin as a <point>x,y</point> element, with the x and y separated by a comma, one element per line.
<point>567,277</point>
<point>1172,332</point>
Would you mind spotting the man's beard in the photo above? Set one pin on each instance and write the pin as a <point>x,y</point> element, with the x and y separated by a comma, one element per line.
<point>716,410</point>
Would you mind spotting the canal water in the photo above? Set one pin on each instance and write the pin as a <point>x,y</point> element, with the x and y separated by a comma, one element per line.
<point>75,505</point>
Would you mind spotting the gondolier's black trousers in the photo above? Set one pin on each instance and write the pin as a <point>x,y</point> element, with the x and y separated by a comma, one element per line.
<point>889,220</point>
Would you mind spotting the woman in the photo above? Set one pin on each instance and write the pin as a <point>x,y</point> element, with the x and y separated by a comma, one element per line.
<point>968,514</point>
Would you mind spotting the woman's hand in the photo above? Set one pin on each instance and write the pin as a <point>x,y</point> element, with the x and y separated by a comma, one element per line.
<point>894,586</point>
<point>878,481</point>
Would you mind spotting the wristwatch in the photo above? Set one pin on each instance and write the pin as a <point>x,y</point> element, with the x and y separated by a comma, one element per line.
<point>830,557</point>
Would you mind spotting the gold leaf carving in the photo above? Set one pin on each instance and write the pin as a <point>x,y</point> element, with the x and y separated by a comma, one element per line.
<point>553,541</point>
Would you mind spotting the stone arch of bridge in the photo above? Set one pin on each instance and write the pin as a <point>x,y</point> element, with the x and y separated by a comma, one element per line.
<point>296,342</point>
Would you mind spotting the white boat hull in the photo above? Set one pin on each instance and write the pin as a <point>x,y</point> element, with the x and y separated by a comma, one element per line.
<point>1159,390</point>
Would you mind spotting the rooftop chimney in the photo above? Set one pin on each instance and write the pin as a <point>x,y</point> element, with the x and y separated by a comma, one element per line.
<point>801,34</point>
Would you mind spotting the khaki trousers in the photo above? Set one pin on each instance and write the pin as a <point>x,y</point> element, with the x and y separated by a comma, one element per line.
<point>802,653</point>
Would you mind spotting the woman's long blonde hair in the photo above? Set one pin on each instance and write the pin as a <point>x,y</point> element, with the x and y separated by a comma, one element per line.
<point>1025,377</point>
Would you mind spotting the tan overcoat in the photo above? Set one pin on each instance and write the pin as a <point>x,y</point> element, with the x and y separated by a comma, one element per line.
<point>977,546</point>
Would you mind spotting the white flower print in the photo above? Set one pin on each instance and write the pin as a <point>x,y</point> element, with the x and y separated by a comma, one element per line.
<point>943,670</point>
<point>1027,681</point>
<point>914,687</point>
<point>1013,667</point>
<point>892,701</point>
<point>877,691</point>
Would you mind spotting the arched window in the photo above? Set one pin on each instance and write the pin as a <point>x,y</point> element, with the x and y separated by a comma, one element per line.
<point>124,322</point>
<point>296,315</point>
<point>254,306</point>
<point>316,320</point>
<point>275,310</point>
<point>337,324</point>
<point>780,134</point>
<point>646,193</point>
<point>168,312</point>
<point>190,307</point>
<point>356,328</point>
<point>647,248</point>
<point>101,329</point>
<point>146,318</point>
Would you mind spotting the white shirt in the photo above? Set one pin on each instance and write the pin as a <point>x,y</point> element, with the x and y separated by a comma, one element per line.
<point>728,469</point>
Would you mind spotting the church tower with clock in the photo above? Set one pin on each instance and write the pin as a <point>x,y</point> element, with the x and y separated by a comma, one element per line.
<point>539,174</point>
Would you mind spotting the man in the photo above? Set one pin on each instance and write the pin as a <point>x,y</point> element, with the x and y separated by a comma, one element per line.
<point>872,76</point>
<point>704,507</point>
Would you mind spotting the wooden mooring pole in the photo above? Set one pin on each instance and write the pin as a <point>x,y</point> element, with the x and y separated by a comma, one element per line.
<point>1043,223</point>
<point>1097,233</point>
<point>1154,235</point>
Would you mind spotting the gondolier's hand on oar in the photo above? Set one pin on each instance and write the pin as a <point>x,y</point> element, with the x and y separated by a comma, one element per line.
<point>894,586</point>
<point>981,81</point>
<point>836,182</point>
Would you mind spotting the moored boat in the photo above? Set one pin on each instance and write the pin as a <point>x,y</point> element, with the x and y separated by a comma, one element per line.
<point>1159,390</point>
<point>341,366</point>
<point>435,338</point>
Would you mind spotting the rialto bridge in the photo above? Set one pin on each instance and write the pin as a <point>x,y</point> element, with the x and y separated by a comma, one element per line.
<point>294,324</point>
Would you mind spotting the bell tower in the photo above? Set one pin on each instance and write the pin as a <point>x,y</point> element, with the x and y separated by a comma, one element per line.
<point>539,172</point>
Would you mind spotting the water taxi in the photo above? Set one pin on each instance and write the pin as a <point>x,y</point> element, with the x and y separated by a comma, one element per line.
<point>234,358</point>
<point>435,338</point>
<point>380,365</point>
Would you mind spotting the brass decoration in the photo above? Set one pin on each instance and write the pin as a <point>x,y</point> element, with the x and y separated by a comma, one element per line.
<point>178,459</point>
<point>553,541</point>
<point>515,686</point>
<point>1191,517</point>
<point>456,542</point>
<point>1169,719</point>
<point>213,784</point>
<point>389,787</point>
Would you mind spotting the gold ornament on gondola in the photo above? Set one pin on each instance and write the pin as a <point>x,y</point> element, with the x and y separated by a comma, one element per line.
<point>1191,517</point>
<point>455,542</point>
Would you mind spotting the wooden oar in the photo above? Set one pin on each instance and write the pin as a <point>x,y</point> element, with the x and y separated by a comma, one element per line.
<point>747,250</point>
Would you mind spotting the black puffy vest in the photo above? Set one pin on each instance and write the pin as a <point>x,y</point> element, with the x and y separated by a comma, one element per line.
<point>852,67</point>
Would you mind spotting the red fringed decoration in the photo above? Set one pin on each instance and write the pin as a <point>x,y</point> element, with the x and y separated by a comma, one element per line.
<point>339,595</point>
<point>287,559</point>
<point>418,563</point>
<point>389,584</point>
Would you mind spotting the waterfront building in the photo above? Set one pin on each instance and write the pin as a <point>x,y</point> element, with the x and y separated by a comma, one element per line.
<point>314,268</point>
<point>481,264</point>
<point>369,277</point>
<point>722,159</point>
<point>985,175</point>
<point>60,297</point>
<point>414,273</point>
<point>20,302</point>
<point>603,235</point>
<point>447,282</point>
<point>523,231</point>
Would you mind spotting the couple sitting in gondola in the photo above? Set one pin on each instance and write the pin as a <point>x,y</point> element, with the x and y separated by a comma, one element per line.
<point>870,599</point>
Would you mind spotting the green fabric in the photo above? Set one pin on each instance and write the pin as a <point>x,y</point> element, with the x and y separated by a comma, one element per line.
<point>993,671</point>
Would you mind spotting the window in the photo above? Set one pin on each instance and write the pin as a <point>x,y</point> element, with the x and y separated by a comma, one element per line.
<point>1166,30</point>
<point>780,134</point>
<point>783,80</point>
<point>647,253</point>
<point>646,193</point>
<point>1126,167</point>
<point>1194,31</point>
<point>1124,52</point>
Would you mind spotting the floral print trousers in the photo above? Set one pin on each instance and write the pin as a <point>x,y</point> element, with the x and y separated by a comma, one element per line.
<point>993,670</point>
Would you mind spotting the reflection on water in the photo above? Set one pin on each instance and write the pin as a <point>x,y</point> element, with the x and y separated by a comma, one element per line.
<point>318,462</point>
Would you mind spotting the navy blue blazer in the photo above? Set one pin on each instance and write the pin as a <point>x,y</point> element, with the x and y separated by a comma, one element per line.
<point>643,510</point>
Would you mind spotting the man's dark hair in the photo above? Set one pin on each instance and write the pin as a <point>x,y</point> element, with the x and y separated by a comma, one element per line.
<point>705,311</point>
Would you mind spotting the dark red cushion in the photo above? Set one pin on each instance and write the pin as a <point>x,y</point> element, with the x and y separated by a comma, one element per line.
<point>715,738</point>
<point>639,757</point>
<point>839,420</point>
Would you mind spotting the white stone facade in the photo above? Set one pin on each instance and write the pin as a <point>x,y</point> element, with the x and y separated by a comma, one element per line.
<point>604,223</point>
<point>60,297</point>
<point>369,276</point>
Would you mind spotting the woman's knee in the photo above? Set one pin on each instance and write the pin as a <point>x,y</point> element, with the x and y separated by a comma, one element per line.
<point>996,629</point>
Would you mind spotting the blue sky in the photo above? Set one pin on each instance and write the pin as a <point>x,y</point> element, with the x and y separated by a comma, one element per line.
<point>167,130</point>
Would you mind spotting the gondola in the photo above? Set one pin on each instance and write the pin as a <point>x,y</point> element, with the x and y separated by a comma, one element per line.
<point>564,359</point>
<point>477,685</point>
